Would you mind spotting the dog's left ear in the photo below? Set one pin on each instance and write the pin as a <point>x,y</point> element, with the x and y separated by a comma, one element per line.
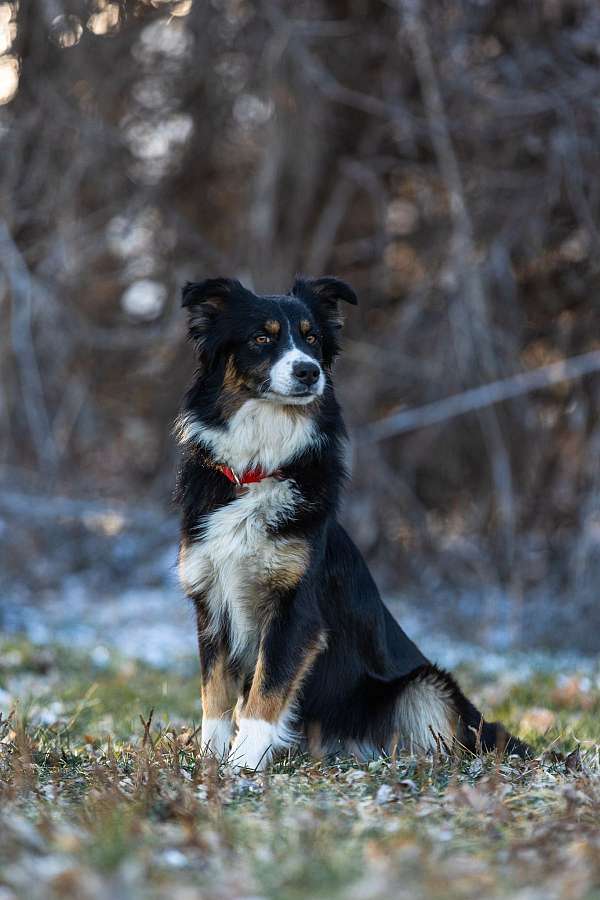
<point>324,294</point>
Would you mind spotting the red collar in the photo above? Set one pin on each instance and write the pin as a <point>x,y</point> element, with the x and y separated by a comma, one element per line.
<point>250,476</point>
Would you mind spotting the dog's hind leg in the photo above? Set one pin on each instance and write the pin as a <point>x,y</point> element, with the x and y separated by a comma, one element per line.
<point>432,712</point>
<point>425,714</point>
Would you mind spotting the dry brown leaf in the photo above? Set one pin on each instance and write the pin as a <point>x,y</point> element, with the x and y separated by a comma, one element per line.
<point>538,719</point>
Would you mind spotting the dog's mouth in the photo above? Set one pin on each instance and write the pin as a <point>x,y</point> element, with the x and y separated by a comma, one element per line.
<point>293,398</point>
<point>295,378</point>
<point>301,392</point>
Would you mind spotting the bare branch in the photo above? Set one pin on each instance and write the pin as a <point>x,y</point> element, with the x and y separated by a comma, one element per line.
<point>482,397</point>
<point>50,507</point>
<point>34,403</point>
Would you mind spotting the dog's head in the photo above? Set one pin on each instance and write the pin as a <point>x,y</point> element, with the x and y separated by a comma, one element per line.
<point>275,347</point>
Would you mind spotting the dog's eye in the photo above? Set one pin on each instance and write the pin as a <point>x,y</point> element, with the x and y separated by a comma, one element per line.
<point>311,339</point>
<point>262,339</point>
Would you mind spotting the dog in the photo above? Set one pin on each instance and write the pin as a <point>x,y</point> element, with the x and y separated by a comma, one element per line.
<point>297,648</point>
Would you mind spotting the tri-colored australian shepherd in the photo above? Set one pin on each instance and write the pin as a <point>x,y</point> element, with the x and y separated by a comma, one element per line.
<point>297,648</point>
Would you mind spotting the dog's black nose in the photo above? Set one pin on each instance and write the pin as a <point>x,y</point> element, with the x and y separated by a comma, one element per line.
<point>306,372</point>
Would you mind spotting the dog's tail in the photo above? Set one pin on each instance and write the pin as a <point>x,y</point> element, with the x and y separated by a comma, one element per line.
<point>430,711</point>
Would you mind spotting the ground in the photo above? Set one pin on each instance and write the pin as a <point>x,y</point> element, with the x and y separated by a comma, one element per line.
<point>104,792</point>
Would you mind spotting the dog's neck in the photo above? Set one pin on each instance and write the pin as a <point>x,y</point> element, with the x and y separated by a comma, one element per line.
<point>260,434</point>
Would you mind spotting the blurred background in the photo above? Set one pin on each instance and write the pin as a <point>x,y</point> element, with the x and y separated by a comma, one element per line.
<point>441,157</point>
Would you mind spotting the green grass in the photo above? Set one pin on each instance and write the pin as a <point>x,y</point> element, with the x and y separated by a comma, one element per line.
<point>95,804</point>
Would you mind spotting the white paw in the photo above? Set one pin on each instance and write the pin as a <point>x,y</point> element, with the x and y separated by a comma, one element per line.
<point>216,736</point>
<point>253,746</point>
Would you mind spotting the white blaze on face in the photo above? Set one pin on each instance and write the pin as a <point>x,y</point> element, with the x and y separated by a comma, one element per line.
<point>283,381</point>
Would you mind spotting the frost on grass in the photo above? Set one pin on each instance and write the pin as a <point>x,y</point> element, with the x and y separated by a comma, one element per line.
<point>99,798</point>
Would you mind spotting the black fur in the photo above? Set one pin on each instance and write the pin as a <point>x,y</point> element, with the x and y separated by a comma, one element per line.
<point>349,696</point>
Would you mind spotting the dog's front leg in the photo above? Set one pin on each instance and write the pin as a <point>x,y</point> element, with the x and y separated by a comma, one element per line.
<point>219,691</point>
<point>289,644</point>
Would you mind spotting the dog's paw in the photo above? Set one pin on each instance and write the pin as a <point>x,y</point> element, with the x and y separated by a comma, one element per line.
<point>253,746</point>
<point>216,737</point>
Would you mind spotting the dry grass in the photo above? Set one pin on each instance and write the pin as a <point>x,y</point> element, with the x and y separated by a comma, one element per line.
<point>98,801</point>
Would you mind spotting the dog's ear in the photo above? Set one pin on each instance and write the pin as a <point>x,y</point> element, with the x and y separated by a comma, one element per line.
<point>207,303</point>
<point>323,295</point>
<point>212,294</point>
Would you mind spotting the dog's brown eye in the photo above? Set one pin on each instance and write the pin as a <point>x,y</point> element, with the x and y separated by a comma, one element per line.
<point>262,339</point>
<point>311,339</point>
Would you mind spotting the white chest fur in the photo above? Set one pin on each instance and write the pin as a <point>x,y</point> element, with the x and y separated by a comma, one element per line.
<point>261,433</point>
<point>237,556</point>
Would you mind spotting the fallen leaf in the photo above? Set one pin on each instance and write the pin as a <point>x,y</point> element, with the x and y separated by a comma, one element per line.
<point>538,719</point>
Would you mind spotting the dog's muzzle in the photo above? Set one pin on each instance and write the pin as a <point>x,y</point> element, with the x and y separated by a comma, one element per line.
<point>296,377</point>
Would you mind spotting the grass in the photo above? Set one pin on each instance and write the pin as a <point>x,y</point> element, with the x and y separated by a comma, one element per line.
<point>99,798</point>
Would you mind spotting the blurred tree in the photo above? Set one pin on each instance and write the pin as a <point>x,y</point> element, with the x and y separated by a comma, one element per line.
<point>442,157</point>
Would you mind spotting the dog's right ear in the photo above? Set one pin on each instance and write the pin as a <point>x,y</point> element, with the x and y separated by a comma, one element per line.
<point>206,302</point>
<point>213,293</point>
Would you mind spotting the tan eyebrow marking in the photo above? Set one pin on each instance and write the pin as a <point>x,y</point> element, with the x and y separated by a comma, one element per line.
<point>272,326</point>
<point>305,326</point>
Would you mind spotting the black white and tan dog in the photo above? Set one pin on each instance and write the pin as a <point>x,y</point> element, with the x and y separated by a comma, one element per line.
<point>297,648</point>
